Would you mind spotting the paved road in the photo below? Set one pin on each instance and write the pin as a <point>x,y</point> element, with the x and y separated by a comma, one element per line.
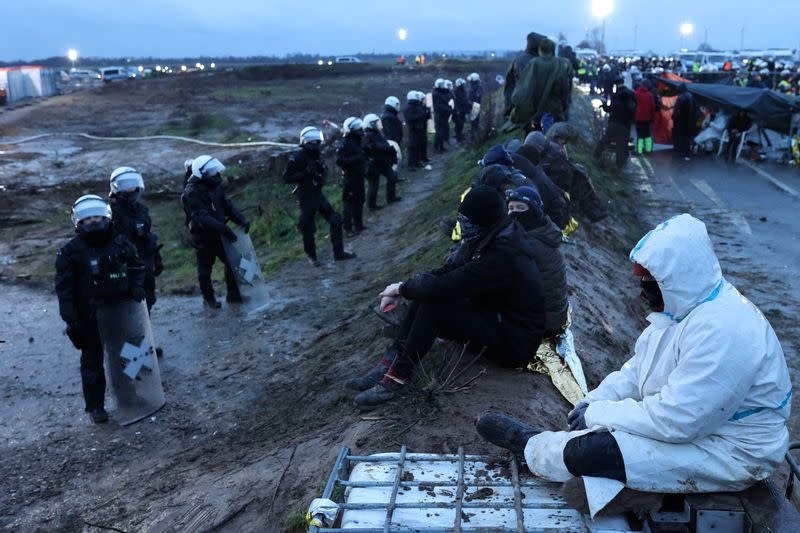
<point>753,217</point>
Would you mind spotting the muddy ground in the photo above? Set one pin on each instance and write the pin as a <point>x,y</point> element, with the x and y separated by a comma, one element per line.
<point>256,410</point>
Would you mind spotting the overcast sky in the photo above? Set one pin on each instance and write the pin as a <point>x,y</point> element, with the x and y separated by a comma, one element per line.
<point>175,28</point>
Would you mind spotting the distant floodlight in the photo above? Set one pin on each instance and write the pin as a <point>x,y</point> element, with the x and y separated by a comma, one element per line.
<point>687,28</point>
<point>183,68</point>
<point>213,65</point>
<point>402,34</point>
<point>140,68</point>
<point>72,55</point>
<point>602,8</point>
<point>330,62</point>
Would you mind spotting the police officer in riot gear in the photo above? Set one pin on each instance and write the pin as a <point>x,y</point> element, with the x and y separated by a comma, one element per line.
<point>381,159</point>
<point>208,209</point>
<point>307,172</point>
<point>392,126</point>
<point>350,157</point>
<point>417,114</point>
<point>132,219</point>
<point>461,108</point>
<point>441,114</point>
<point>95,267</point>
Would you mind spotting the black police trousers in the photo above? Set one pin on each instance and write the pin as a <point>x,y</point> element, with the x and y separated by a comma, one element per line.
<point>353,203</point>
<point>210,251</point>
<point>374,173</point>
<point>310,205</point>
<point>458,121</point>
<point>442,126</point>
<point>93,377</point>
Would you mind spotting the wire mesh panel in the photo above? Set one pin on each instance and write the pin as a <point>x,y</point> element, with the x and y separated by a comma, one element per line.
<point>404,492</point>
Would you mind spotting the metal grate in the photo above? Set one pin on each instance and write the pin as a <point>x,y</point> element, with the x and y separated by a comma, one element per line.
<point>338,482</point>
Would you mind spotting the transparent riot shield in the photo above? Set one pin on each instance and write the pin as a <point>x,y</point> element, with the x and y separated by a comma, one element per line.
<point>429,104</point>
<point>131,364</point>
<point>242,259</point>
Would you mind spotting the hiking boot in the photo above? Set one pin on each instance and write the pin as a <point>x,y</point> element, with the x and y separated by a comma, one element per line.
<point>234,298</point>
<point>344,256</point>
<point>211,303</point>
<point>313,261</point>
<point>383,391</point>
<point>98,415</point>
<point>505,432</point>
<point>371,378</point>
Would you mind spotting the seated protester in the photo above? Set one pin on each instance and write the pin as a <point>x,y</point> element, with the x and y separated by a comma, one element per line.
<point>551,155</point>
<point>705,397</point>
<point>525,206</point>
<point>499,178</point>
<point>556,204</point>
<point>737,126</point>
<point>492,298</point>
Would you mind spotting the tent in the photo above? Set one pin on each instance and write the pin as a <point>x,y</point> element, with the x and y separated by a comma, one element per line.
<point>769,109</point>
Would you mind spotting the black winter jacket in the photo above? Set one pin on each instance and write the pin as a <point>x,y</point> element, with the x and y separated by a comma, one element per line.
<point>378,149</point>
<point>207,209</point>
<point>546,240</point>
<point>554,201</point>
<point>88,276</point>
<point>392,127</point>
<point>133,221</point>
<point>500,275</point>
<point>306,170</point>
<point>350,157</point>
<point>475,92</point>
<point>622,108</point>
<point>416,115</point>
<point>441,103</point>
<point>461,101</point>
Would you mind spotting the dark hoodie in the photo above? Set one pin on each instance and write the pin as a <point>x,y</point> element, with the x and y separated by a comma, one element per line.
<point>545,240</point>
<point>499,275</point>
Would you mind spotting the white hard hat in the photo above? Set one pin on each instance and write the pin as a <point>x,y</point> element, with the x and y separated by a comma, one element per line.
<point>125,179</point>
<point>310,134</point>
<point>352,124</point>
<point>440,83</point>
<point>89,205</point>
<point>460,82</point>
<point>474,77</point>
<point>373,122</point>
<point>206,165</point>
<point>393,102</point>
<point>187,164</point>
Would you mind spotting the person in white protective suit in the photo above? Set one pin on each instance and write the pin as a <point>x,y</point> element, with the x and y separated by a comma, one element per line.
<point>703,403</point>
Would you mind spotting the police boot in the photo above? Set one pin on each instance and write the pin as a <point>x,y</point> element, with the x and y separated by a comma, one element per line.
<point>98,415</point>
<point>210,302</point>
<point>386,389</point>
<point>371,378</point>
<point>506,432</point>
<point>344,256</point>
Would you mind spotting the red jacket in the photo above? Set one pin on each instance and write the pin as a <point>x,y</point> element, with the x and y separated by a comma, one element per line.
<point>645,104</point>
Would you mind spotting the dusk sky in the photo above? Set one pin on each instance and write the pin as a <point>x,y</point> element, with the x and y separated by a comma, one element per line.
<point>163,28</point>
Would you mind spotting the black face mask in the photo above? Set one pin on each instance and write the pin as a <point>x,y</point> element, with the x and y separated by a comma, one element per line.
<point>469,232</point>
<point>129,197</point>
<point>652,293</point>
<point>214,180</point>
<point>312,148</point>
<point>527,219</point>
<point>96,233</point>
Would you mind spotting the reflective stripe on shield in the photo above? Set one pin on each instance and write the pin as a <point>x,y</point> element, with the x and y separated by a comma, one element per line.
<point>131,364</point>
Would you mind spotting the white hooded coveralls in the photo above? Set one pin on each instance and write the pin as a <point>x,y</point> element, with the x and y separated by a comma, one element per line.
<point>703,403</point>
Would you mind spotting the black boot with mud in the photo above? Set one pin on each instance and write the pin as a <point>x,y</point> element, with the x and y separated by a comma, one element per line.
<point>313,261</point>
<point>344,256</point>
<point>211,303</point>
<point>371,378</point>
<point>98,415</point>
<point>506,432</point>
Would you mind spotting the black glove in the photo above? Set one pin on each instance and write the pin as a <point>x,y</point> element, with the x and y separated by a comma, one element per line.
<point>158,263</point>
<point>229,234</point>
<point>246,226</point>
<point>138,294</point>
<point>576,418</point>
<point>75,334</point>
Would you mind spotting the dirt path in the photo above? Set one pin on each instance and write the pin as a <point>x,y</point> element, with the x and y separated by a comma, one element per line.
<point>211,452</point>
